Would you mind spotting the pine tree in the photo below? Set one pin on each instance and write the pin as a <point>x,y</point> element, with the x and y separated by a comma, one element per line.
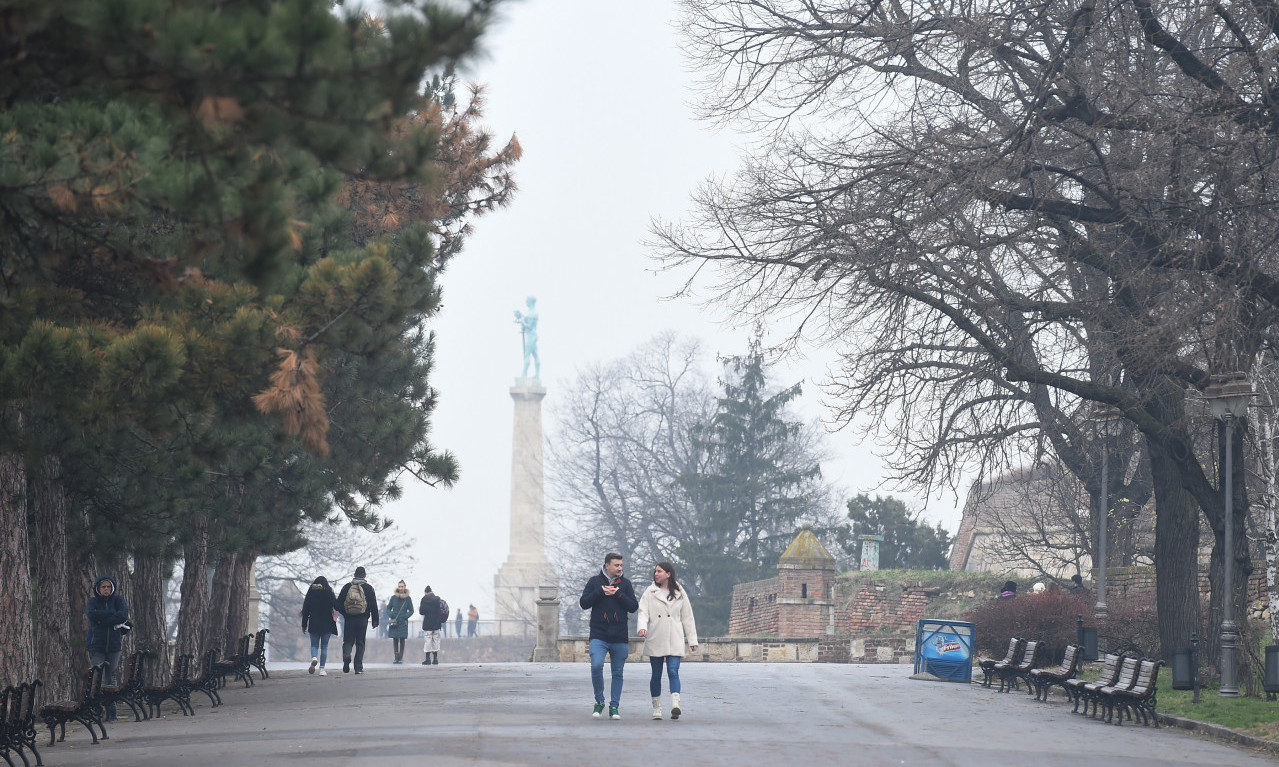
<point>761,479</point>
<point>908,542</point>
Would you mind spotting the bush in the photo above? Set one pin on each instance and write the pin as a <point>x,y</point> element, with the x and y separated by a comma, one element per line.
<point>1131,628</point>
<point>1051,618</point>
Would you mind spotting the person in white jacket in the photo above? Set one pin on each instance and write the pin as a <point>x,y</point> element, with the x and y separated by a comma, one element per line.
<point>667,626</point>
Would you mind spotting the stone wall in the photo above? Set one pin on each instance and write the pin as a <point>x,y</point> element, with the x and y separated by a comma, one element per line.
<point>754,608</point>
<point>876,649</point>
<point>877,607</point>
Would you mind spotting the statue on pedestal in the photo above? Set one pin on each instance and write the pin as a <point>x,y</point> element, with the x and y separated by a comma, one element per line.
<point>528,331</point>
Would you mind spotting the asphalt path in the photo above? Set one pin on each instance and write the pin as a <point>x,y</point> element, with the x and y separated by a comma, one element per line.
<point>532,713</point>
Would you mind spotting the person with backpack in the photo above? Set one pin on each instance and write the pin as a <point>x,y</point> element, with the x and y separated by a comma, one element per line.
<point>398,612</point>
<point>434,612</point>
<point>358,604</point>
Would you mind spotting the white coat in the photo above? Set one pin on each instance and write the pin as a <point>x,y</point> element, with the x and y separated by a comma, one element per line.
<point>669,623</point>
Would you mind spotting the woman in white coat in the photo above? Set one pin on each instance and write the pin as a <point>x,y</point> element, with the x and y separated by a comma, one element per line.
<point>666,623</point>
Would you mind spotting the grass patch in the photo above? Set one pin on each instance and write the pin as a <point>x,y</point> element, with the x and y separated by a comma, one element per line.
<point>1255,716</point>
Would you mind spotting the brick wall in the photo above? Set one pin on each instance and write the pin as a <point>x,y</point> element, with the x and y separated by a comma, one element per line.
<point>754,609</point>
<point>1129,585</point>
<point>878,607</point>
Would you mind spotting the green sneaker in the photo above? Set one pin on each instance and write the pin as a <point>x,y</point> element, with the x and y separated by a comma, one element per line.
<point>599,711</point>
<point>613,713</point>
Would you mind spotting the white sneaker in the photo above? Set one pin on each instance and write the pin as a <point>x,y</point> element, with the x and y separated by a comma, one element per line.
<point>657,708</point>
<point>314,662</point>
<point>323,672</point>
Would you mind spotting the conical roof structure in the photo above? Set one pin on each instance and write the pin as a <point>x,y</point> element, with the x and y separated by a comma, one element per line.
<point>806,553</point>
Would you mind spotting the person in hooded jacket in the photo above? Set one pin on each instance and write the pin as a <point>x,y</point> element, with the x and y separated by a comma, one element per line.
<point>398,611</point>
<point>666,623</point>
<point>355,624</point>
<point>317,620</point>
<point>107,612</point>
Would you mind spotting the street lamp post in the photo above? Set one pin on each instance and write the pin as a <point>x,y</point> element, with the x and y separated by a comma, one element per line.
<point>1107,418</point>
<point>1228,395</point>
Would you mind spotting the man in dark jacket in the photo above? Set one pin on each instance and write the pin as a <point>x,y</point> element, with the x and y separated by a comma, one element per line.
<point>609,597</point>
<point>107,613</point>
<point>356,617</point>
<point>429,609</point>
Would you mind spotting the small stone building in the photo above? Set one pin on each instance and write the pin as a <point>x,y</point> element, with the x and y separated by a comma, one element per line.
<point>799,602</point>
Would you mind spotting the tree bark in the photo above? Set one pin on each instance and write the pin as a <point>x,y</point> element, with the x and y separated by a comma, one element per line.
<point>195,590</point>
<point>1176,535</point>
<point>237,622</point>
<point>52,581</point>
<point>215,627</point>
<point>18,660</point>
<point>82,571</point>
<point>150,623</point>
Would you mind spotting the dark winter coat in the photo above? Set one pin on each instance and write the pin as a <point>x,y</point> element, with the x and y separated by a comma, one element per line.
<point>105,613</point>
<point>317,610</point>
<point>429,608</point>
<point>609,613</point>
<point>398,612</point>
<point>356,625</point>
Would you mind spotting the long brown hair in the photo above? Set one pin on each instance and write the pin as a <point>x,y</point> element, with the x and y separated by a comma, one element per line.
<point>672,585</point>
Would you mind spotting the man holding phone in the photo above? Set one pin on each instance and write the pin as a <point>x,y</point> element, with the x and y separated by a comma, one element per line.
<point>610,598</point>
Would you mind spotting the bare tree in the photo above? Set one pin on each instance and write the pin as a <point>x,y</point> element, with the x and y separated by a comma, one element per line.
<point>1001,211</point>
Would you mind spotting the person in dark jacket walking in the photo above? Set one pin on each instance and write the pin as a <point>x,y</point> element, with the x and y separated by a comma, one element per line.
<point>457,624</point>
<point>429,608</point>
<point>317,620</point>
<point>609,597</point>
<point>107,612</point>
<point>398,612</point>
<point>356,615</point>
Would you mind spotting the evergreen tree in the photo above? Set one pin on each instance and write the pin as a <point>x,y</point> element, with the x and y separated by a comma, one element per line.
<point>909,543</point>
<point>760,480</point>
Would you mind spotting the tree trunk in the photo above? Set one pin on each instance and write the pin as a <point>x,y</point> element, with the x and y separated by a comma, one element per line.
<point>195,590</point>
<point>1176,537</point>
<point>215,627</point>
<point>52,582</point>
<point>237,622</point>
<point>18,660</point>
<point>150,623</point>
<point>82,571</point>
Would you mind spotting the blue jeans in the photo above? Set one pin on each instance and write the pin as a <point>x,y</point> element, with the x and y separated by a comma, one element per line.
<point>617,652</point>
<point>320,642</point>
<point>672,671</point>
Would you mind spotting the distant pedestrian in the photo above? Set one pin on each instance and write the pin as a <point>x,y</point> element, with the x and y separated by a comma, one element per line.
<point>609,597</point>
<point>472,618</point>
<point>1009,590</point>
<point>318,622</point>
<point>457,623</point>
<point>358,604</point>
<point>108,615</point>
<point>666,623</point>
<point>432,618</point>
<point>398,612</point>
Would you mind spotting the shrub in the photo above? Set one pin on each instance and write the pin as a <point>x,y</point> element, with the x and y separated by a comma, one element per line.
<point>1051,618</point>
<point>1131,628</point>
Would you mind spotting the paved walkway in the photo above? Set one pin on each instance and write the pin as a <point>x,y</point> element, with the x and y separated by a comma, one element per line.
<point>735,714</point>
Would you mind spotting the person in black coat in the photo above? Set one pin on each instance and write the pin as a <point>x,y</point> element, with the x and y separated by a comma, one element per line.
<point>317,620</point>
<point>355,623</point>
<point>610,598</point>
<point>107,612</point>
<point>429,609</point>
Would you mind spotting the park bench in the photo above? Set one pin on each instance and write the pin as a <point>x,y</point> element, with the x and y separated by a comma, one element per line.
<point>1141,695</point>
<point>85,709</point>
<point>177,690</point>
<point>1045,678</point>
<point>1100,694</point>
<point>257,656</point>
<point>209,679</point>
<point>1109,673</point>
<point>19,722</point>
<point>129,689</point>
<point>1009,673</point>
<point>238,663</point>
<point>987,665</point>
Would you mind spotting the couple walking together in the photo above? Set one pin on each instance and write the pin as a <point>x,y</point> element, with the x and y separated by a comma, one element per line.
<point>357,602</point>
<point>665,622</point>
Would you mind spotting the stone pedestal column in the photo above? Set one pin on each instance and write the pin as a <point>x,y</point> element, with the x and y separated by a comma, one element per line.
<point>526,567</point>
<point>548,625</point>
